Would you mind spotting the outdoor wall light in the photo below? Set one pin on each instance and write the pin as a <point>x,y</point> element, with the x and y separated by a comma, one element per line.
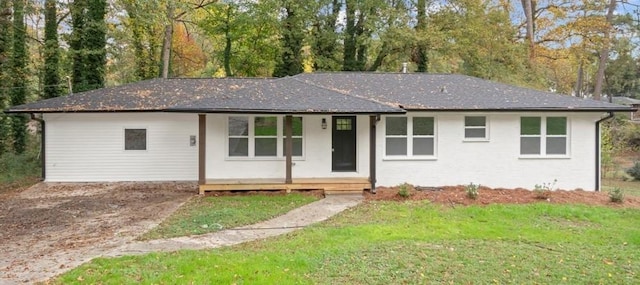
<point>324,124</point>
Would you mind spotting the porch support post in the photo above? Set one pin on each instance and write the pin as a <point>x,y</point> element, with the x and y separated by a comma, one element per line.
<point>373,120</point>
<point>202,148</point>
<point>288,146</point>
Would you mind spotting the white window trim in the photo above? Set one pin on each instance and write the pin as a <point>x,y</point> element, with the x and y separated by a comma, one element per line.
<point>465,127</point>
<point>124,139</point>
<point>410,138</point>
<point>543,139</point>
<point>251,139</point>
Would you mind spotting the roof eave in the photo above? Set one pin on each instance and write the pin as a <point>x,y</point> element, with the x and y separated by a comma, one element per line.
<point>523,110</point>
<point>266,111</point>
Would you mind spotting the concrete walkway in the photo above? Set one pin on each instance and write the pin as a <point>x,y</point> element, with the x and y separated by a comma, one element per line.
<point>298,218</point>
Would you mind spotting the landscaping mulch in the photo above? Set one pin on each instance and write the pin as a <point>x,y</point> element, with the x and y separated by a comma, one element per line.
<point>456,195</point>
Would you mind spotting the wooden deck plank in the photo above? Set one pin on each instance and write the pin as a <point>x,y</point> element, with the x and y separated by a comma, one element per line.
<point>329,185</point>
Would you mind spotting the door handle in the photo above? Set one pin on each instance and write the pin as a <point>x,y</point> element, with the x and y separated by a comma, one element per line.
<point>332,150</point>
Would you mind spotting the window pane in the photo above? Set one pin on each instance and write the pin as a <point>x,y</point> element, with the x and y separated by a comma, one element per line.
<point>556,145</point>
<point>296,126</point>
<point>266,126</point>
<point>423,126</point>
<point>530,125</point>
<point>556,126</point>
<point>297,147</point>
<point>238,126</point>
<point>529,145</point>
<point>135,139</point>
<point>266,147</point>
<point>475,133</point>
<point>396,146</point>
<point>343,124</point>
<point>238,147</point>
<point>396,126</point>
<point>423,146</point>
<point>475,121</point>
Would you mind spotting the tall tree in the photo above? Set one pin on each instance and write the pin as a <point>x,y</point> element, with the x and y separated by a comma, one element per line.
<point>290,61</point>
<point>324,41</point>
<point>51,51</point>
<point>604,52</point>
<point>88,44</point>
<point>421,57</point>
<point>19,76</point>
<point>76,45</point>
<point>96,40</point>
<point>5,47</point>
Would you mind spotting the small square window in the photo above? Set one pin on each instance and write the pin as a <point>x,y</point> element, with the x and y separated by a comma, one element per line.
<point>343,124</point>
<point>135,139</point>
<point>475,127</point>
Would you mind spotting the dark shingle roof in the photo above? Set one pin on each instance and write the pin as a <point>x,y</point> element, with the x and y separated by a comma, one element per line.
<point>148,95</point>
<point>420,91</point>
<point>286,95</point>
<point>340,92</point>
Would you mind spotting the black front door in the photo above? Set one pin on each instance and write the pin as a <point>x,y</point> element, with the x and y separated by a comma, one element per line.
<point>344,143</point>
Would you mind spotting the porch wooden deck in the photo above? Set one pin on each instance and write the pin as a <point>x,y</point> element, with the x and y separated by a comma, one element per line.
<point>328,185</point>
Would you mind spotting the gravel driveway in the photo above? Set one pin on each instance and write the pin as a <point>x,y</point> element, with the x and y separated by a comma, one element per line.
<point>50,228</point>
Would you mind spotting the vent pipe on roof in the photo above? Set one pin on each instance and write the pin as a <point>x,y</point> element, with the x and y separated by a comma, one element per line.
<point>404,67</point>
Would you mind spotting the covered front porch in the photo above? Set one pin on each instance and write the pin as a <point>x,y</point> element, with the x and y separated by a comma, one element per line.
<point>328,161</point>
<point>347,185</point>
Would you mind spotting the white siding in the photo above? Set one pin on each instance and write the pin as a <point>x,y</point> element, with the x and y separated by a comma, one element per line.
<point>315,163</point>
<point>496,162</point>
<point>90,147</point>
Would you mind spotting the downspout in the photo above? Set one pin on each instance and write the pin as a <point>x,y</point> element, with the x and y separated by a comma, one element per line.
<point>42,145</point>
<point>373,120</point>
<point>598,149</point>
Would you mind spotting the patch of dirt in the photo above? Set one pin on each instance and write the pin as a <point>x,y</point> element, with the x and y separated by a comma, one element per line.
<point>52,227</point>
<point>456,195</point>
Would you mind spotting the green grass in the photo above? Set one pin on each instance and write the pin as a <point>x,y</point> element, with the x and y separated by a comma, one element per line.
<point>410,243</point>
<point>210,214</point>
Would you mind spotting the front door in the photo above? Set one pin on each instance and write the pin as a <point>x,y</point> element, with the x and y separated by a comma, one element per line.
<point>343,143</point>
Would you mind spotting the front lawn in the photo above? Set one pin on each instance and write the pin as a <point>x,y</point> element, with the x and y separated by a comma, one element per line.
<point>210,214</point>
<point>631,188</point>
<point>414,242</point>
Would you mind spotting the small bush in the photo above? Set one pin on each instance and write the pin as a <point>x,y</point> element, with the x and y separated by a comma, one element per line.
<point>544,191</point>
<point>616,195</point>
<point>403,190</point>
<point>634,171</point>
<point>472,190</point>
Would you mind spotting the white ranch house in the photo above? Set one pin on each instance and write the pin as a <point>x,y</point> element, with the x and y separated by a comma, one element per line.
<point>331,131</point>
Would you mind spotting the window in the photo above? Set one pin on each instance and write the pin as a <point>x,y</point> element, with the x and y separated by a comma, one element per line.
<point>266,136</point>
<point>543,136</point>
<point>261,136</point>
<point>409,136</point>
<point>296,136</point>
<point>135,139</point>
<point>475,128</point>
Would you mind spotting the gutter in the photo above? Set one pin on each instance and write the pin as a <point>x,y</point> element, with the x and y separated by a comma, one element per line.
<point>42,145</point>
<point>598,149</point>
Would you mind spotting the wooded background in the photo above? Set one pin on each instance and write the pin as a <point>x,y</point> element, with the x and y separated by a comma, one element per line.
<point>51,48</point>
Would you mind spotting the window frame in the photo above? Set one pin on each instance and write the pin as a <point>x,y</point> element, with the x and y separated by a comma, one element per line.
<point>251,137</point>
<point>466,127</point>
<point>543,136</point>
<point>410,139</point>
<point>146,139</point>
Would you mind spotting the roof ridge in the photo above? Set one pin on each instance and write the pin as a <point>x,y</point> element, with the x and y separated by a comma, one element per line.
<point>347,94</point>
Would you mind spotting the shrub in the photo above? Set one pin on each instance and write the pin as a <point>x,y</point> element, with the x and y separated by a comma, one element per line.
<point>634,171</point>
<point>472,190</point>
<point>616,195</point>
<point>403,190</point>
<point>544,191</point>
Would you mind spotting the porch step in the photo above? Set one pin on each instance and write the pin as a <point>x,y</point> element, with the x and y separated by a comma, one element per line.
<point>344,192</point>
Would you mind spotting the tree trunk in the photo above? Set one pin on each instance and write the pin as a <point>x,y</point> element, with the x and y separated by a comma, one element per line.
<point>528,12</point>
<point>421,56</point>
<point>580,80</point>
<point>604,52</point>
<point>168,37</point>
<point>227,47</point>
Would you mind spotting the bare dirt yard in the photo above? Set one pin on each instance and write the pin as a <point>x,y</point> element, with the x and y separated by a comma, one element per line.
<point>50,228</point>
<point>456,195</point>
